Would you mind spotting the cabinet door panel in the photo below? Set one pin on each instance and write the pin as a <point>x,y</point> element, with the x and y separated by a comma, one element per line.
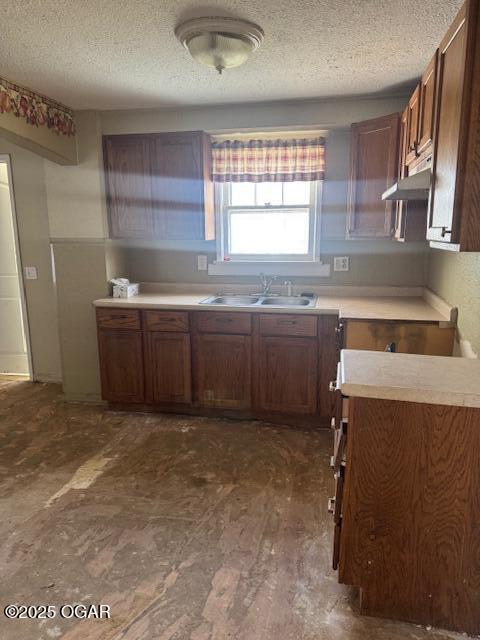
<point>121,365</point>
<point>373,169</point>
<point>182,188</point>
<point>223,371</point>
<point>128,185</point>
<point>168,367</point>
<point>287,375</point>
<point>451,72</point>
<point>413,112</point>
<point>427,105</point>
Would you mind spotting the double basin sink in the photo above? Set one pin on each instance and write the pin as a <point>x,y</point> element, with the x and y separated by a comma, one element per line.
<point>261,301</point>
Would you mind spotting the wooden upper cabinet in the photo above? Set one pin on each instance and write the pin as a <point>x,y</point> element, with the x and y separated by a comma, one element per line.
<point>128,185</point>
<point>182,186</point>
<point>373,169</point>
<point>427,107</point>
<point>455,201</point>
<point>413,113</point>
<point>160,185</point>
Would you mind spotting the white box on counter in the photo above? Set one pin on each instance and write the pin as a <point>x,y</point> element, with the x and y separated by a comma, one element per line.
<point>125,289</point>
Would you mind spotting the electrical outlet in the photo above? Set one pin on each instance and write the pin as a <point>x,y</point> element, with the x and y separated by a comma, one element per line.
<point>202,263</point>
<point>31,273</point>
<point>341,263</point>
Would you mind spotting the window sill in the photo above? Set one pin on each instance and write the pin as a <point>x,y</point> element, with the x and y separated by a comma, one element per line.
<point>232,268</point>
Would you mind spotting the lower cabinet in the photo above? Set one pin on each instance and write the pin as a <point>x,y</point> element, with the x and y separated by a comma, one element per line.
<point>222,370</point>
<point>168,367</point>
<point>287,375</point>
<point>121,365</point>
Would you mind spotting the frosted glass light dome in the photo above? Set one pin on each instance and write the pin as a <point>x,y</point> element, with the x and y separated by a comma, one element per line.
<point>220,43</point>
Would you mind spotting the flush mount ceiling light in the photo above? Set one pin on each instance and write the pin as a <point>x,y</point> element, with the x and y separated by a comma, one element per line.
<point>218,42</point>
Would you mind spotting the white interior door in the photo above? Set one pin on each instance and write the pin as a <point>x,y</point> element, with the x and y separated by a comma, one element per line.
<point>13,343</point>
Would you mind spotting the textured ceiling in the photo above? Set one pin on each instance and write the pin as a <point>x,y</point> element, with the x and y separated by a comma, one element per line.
<point>114,54</point>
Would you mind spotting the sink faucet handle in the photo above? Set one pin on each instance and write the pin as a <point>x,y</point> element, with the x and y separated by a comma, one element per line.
<point>289,286</point>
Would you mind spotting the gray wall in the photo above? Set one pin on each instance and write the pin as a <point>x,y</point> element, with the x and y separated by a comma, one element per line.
<point>379,262</point>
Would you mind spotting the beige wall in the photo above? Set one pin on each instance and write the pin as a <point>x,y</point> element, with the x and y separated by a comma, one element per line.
<point>41,140</point>
<point>83,260</point>
<point>456,278</point>
<point>32,218</point>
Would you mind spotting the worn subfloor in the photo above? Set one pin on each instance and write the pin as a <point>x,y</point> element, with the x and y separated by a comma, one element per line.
<point>189,528</point>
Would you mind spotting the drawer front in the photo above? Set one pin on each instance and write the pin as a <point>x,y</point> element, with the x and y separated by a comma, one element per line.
<point>224,322</point>
<point>118,318</point>
<point>339,447</point>
<point>156,320</point>
<point>288,325</point>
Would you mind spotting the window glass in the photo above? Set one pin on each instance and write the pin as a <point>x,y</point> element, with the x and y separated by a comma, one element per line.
<point>296,192</point>
<point>269,193</point>
<point>242,194</point>
<point>269,232</point>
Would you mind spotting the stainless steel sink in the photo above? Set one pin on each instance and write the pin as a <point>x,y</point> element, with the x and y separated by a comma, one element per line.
<point>233,301</point>
<point>287,301</point>
<point>260,300</point>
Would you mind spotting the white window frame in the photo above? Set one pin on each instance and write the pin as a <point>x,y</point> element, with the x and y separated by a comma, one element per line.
<point>223,210</point>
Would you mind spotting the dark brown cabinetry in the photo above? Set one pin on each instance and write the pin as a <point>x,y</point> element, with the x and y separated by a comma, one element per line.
<point>168,367</point>
<point>121,365</point>
<point>454,202</point>
<point>159,185</point>
<point>287,375</point>
<point>373,169</point>
<point>426,120</point>
<point>182,188</point>
<point>223,370</point>
<point>413,113</point>
<point>128,185</point>
<point>405,523</point>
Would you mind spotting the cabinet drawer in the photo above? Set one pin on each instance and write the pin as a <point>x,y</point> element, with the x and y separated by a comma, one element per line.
<point>156,320</point>
<point>288,325</point>
<point>339,447</point>
<point>224,322</point>
<point>118,318</point>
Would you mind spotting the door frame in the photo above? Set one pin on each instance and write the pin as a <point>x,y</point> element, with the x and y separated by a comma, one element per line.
<point>5,157</point>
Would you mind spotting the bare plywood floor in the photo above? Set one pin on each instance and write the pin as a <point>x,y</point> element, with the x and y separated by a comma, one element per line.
<point>189,528</point>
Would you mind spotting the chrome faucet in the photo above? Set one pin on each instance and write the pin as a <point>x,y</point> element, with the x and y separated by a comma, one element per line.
<point>266,282</point>
<point>289,286</point>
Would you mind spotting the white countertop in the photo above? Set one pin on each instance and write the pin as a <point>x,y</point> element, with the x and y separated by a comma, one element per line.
<point>375,307</point>
<point>409,377</point>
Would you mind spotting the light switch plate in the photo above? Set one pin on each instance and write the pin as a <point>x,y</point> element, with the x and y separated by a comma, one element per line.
<point>341,263</point>
<point>202,263</point>
<point>31,273</point>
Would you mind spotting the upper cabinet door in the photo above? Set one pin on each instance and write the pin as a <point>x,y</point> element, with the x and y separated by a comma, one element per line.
<point>450,132</point>
<point>128,185</point>
<point>427,106</point>
<point>182,186</point>
<point>373,169</point>
<point>413,112</point>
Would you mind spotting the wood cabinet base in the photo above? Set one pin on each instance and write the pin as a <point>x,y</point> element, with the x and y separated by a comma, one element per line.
<point>410,525</point>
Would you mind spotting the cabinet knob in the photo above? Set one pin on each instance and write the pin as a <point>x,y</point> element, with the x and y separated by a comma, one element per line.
<point>332,386</point>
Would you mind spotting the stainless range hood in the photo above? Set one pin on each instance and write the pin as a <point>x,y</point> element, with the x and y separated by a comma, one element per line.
<point>414,187</point>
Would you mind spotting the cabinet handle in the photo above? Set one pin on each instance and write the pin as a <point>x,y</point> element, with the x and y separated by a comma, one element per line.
<point>224,320</point>
<point>163,319</point>
<point>331,505</point>
<point>289,322</point>
<point>445,231</point>
<point>332,386</point>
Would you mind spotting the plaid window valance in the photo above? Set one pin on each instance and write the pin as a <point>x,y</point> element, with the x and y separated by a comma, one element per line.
<point>268,160</point>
